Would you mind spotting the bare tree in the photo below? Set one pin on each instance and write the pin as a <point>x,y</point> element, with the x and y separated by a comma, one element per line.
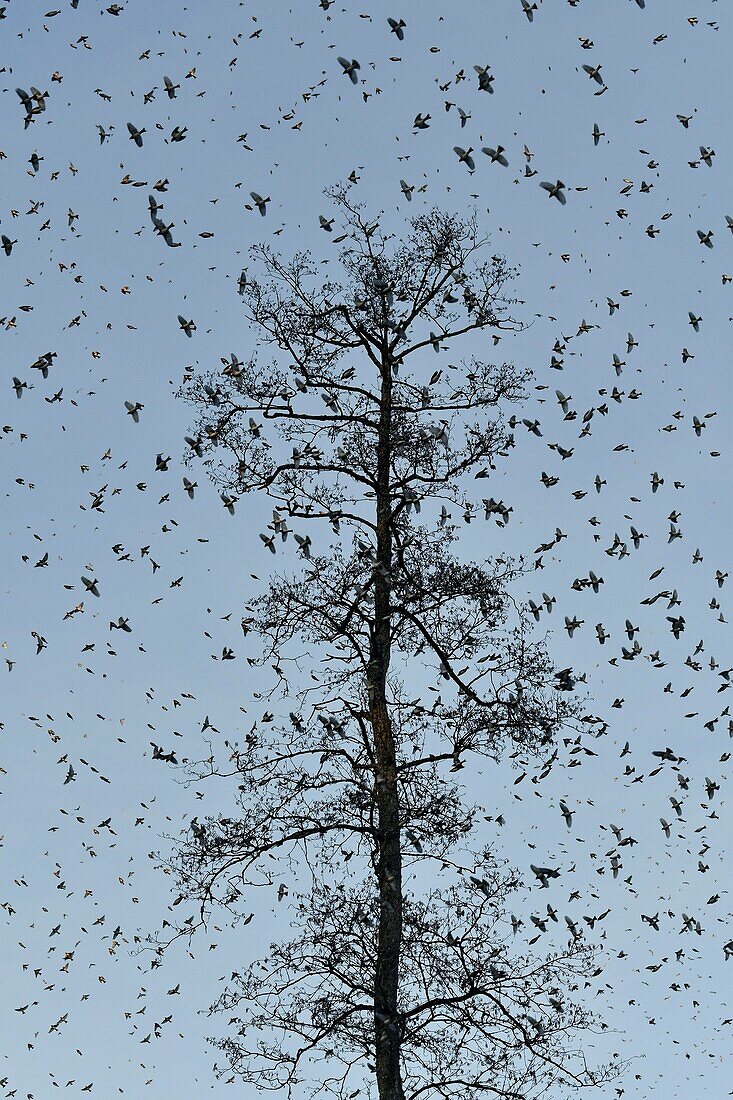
<point>399,661</point>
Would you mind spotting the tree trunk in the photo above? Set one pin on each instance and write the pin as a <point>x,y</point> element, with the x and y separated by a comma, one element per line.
<point>387,1025</point>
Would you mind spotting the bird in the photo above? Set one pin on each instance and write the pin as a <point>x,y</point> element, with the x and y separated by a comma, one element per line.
<point>259,202</point>
<point>464,156</point>
<point>496,155</point>
<point>485,78</point>
<point>594,72</point>
<point>350,68</point>
<point>555,190</point>
<point>304,544</point>
<point>135,134</point>
<point>544,874</point>
<point>571,625</point>
<point>397,27</point>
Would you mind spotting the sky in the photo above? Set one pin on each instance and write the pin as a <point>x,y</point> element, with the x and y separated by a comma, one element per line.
<point>79,477</point>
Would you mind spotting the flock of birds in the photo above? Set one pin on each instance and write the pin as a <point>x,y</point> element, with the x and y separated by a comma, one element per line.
<point>86,593</point>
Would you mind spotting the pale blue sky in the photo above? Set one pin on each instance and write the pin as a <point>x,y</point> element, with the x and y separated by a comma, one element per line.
<point>127,346</point>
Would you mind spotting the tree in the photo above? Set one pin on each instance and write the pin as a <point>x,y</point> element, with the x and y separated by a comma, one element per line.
<point>414,661</point>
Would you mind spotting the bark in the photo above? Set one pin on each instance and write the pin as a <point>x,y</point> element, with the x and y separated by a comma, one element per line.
<point>387,1024</point>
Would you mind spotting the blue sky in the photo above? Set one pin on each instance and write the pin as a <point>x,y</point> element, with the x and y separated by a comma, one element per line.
<point>100,709</point>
